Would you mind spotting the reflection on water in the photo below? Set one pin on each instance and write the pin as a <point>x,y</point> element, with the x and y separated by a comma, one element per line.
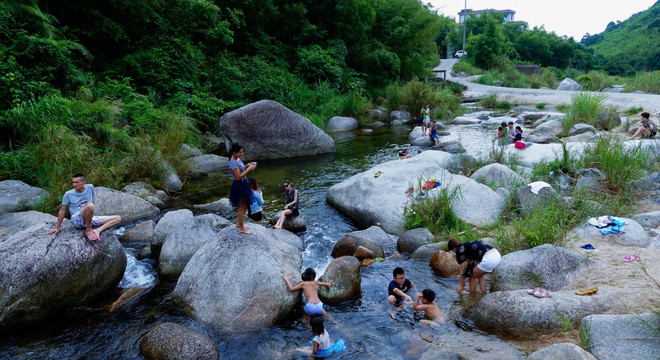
<point>371,327</point>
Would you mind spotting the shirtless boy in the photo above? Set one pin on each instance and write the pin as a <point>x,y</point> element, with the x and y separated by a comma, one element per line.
<point>430,308</point>
<point>308,285</point>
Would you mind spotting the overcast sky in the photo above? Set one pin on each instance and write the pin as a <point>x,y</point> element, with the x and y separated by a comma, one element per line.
<point>565,17</point>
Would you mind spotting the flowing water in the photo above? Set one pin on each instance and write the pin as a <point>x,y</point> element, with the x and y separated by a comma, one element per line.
<point>371,328</point>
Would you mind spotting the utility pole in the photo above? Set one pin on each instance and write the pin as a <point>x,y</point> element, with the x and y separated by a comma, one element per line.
<point>464,21</point>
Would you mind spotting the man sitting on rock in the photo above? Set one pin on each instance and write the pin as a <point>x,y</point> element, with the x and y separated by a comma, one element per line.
<point>80,201</point>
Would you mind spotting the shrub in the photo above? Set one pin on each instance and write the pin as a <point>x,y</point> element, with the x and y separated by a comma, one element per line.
<point>465,66</point>
<point>584,108</point>
<point>541,106</point>
<point>415,94</point>
<point>645,81</point>
<point>489,101</point>
<point>434,212</point>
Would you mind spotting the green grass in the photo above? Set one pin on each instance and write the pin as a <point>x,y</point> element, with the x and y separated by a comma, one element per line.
<point>634,110</point>
<point>585,108</point>
<point>465,66</point>
<point>414,94</point>
<point>541,106</point>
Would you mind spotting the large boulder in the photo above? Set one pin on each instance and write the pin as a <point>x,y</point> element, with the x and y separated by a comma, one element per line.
<point>382,199</point>
<point>374,238</point>
<point>444,264</point>
<point>400,116</point>
<point>231,283</point>
<point>537,194</point>
<point>465,120</point>
<point>147,192</point>
<point>422,141</point>
<point>186,151</point>
<point>169,221</point>
<point>169,180</point>
<point>15,222</point>
<point>581,128</point>
<point>269,130</point>
<point>215,206</point>
<point>648,220</point>
<point>562,351</point>
<point>416,133</point>
<point>142,232</point>
<point>183,241</point>
<point>411,240</point>
<point>569,84</point>
<point>582,138</point>
<point>427,251</point>
<point>173,341</point>
<point>452,147</point>
<point>549,128</point>
<point>129,207</point>
<point>346,277</point>
<point>44,274</point>
<point>522,316</point>
<point>341,123</point>
<point>546,266</point>
<point>202,165</point>
<point>16,195</point>
<point>634,235</point>
<point>497,175</point>
<point>607,120</point>
<point>295,224</point>
<point>613,337</point>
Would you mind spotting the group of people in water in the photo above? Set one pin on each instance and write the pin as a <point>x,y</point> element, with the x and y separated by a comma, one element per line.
<point>246,195</point>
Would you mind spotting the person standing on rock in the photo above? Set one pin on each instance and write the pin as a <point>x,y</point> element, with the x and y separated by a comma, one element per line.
<point>240,194</point>
<point>426,118</point>
<point>482,257</point>
<point>510,134</point>
<point>291,206</point>
<point>80,201</point>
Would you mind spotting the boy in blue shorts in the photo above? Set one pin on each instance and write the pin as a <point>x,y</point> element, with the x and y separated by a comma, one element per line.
<point>314,305</point>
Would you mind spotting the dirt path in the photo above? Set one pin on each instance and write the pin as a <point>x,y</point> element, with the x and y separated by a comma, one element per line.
<point>622,101</point>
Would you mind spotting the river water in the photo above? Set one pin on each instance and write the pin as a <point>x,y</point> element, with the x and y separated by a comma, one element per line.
<point>371,328</point>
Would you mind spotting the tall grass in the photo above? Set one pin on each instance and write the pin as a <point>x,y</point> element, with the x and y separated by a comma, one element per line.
<point>467,67</point>
<point>435,212</point>
<point>414,94</point>
<point>585,108</point>
<point>645,81</point>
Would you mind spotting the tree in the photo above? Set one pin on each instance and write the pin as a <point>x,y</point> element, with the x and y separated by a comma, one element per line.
<point>484,48</point>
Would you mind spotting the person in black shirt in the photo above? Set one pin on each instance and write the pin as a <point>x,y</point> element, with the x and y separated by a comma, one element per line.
<point>483,257</point>
<point>399,287</point>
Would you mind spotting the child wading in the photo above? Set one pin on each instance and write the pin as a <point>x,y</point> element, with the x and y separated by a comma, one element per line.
<point>314,305</point>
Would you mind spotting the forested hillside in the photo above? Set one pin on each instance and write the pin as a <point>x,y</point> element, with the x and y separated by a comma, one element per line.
<point>629,46</point>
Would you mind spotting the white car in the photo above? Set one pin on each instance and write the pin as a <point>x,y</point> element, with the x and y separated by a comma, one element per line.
<point>460,53</point>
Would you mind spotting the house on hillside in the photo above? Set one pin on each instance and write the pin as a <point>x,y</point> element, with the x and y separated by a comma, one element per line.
<point>508,15</point>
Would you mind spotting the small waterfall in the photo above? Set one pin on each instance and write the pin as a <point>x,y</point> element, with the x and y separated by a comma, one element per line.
<point>138,272</point>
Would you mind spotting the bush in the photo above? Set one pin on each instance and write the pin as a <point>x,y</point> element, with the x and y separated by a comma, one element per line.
<point>645,81</point>
<point>434,212</point>
<point>467,67</point>
<point>585,108</point>
<point>414,94</point>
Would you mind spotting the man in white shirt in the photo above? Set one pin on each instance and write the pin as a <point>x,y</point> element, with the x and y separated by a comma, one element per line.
<point>80,201</point>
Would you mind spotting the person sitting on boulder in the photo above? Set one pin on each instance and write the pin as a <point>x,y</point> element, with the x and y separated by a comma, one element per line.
<point>399,287</point>
<point>645,126</point>
<point>482,259</point>
<point>434,134</point>
<point>430,308</point>
<point>291,206</point>
<point>80,201</point>
<point>404,154</point>
<point>314,305</point>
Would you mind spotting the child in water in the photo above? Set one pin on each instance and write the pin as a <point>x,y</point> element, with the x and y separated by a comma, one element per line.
<point>314,305</point>
<point>430,308</point>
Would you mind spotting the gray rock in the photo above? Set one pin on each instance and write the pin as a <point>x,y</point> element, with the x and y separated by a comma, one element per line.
<point>569,85</point>
<point>239,264</point>
<point>400,115</point>
<point>378,114</point>
<point>443,263</point>
<point>16,196</point>
<point>655,242</point>
<point>169,180</point>
<point>295,224</point>
<point>546,266</point>
<point>129,207</point>
<point>15,222</point>
<point>383,199</point>
<point>464,120</point>
<point>216,206</point>
<point>374,238</point>
<point>542,139</point>
<point>647,220</point>
<point>416,133</point>
<point>376,124</point>
<point>169,221</point>
<point>143,231</point>
<point>452,147</point>
<point>427,251</point>
<point>534,195</point>
<point>346,277</point>
<point>183,241</point>
<point>648,183</point>
<point>612,90</point>
<point>503,192</point>
<point>584,137</point>
<point>396,122</point>
<point>613,337</point>
<point>413,239</point>
<point>215,142</point>
<point>188,151</point>
<point>523,316</point>
<point>635,234</point>
<point>143,190</point>
<point>174,341</point>
<point>51,273</point>
<point>607,120</point>
<point>497,175</point>
<point>269,130</point>
<point>203,165</point>
<point>549,128</point>
<point>341,123</point>
<point>581,128</point>
<point>562,351</point>
<point>423,141</point>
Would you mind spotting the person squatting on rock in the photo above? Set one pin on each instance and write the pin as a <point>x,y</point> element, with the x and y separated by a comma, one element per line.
<point>291,206</point>
<point>309,285</point>
<point>240,194</point>
<point>476,260</point>
<point>80,201</point>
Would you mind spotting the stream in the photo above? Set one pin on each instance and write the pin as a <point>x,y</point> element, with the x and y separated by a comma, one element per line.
<point>371,328</point>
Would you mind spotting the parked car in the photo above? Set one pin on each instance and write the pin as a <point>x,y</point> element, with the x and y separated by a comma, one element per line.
<point>460,53</point>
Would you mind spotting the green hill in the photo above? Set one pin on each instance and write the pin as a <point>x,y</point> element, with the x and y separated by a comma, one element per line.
<point>631,45</point>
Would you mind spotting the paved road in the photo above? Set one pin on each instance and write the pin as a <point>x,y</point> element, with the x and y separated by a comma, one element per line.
<point>650,103</point>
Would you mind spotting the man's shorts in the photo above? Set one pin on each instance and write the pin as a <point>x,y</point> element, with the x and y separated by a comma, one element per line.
<point>490,260</point>
<point>314,308</point>
<point>78,221</point>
